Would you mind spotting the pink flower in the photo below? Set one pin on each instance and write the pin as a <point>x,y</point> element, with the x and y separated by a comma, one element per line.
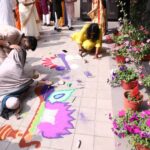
<point>141,67</point>
<point>141,28</point>
<point>121,113</point>
<point>127,43</point>
<point>134,49</point>
<point>115,125</point>
<point>148,123</point>
<point>145,113</point>
<point>148,41</point>
<point>127,60</point>
<point>136,130</point>
<point>140,82</point>
<point>142,76</point>
<point>142,44</point>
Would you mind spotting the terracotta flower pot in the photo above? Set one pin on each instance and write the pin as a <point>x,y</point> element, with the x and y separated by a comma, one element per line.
<point>120,59</point>
<point>129,85</point>
<point>141,147</point>
<point>146,58</point>
<point>131,104</point>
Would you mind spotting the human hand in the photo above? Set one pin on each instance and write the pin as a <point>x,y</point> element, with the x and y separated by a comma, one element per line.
<point>14,46</point>
<point>41,83</point>
<point>35,76</point>
<point>4,43</point>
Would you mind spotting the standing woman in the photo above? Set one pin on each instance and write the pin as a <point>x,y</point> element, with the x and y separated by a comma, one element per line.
<point>7,16</point>
<point>57,8</point>
<point>30,23</point>
<point>102,15</point>
<point>98,14</point>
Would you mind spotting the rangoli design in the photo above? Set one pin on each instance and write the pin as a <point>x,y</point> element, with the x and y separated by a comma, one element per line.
<point>48,62</point>
<point>60,96</point>
<point>51,120</point>
<point>56,120</point>
<point>7,131</point>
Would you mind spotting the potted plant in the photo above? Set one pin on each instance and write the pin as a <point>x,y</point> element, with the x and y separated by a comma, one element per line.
<point>140,52</point>
<point>127,77</point>
<point>119,38</point>
<point>146,52</point>
<point>120,53</point>
<point>132,99</point>
<point>135,126</point>
<point>137,35</point>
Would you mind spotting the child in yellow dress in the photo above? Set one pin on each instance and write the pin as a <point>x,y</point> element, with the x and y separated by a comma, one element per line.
<point>89,38</point>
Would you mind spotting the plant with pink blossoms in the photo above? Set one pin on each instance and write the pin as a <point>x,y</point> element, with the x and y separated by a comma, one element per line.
<point>138,52</point>
<point>135,126</point>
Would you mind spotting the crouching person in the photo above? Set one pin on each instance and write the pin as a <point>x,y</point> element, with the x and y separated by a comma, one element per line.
<point>89,39</point>
<point>14,80</point>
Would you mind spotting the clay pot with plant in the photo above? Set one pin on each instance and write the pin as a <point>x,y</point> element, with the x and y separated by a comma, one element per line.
<point>133,99</point>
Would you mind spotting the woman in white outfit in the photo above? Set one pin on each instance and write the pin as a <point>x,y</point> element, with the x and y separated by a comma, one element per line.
<point>7,8</point>
<point>30,23</point>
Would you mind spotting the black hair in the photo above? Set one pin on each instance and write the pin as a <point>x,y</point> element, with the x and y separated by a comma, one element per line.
<point>95,30</point>
<point>32,41</point>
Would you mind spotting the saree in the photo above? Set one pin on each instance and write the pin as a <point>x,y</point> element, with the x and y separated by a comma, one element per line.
<point>30,23</point>
<point>18,25</point>
<point>98,14</point>
<point>7,15</point>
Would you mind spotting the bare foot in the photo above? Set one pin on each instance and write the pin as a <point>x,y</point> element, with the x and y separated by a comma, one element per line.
<point>95,57</point>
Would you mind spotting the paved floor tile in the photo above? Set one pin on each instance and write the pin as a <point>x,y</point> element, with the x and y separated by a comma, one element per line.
<point>88,102</point>
<point>104,104</point>
<point>86,114</point>
<point>103,129</point>
<point>85,127</point>
<point>4,145</point>
<point>102,143</point>
<point>89,93</point>
<point>102,115</point>
<point>64,143</point>
<point>83,142</point>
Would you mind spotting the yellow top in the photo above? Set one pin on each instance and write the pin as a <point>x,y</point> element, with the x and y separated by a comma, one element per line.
<point>87,44</point>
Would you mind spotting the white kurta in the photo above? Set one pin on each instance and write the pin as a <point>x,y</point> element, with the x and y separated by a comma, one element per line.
<point>29,19</point>
<point>6,14</point>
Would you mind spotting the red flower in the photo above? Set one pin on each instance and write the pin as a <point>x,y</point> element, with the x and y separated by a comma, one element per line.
<point>142,75</point>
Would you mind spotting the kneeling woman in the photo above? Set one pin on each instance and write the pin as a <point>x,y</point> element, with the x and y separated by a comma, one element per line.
<point>89,39</point>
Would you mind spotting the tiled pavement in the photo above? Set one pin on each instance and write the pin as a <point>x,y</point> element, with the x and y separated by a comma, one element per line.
<point>93,103</point>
